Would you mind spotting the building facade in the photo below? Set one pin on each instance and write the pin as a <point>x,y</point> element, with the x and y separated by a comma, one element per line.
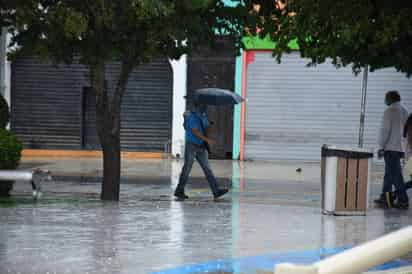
<point>291,110</point>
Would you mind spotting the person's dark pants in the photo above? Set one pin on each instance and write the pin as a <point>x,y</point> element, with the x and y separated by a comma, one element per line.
<point>199,153</point>
<point>393,175</point>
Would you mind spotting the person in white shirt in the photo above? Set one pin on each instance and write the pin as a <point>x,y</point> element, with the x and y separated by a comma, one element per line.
<point>392,148</point>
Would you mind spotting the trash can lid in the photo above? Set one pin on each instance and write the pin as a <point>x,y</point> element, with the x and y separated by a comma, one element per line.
<point>353,153</point>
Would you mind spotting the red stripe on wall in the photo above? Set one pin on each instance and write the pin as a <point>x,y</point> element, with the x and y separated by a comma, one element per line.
<point>243,108</point>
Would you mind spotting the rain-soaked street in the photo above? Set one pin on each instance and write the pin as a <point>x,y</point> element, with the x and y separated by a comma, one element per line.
<point>271,215</point>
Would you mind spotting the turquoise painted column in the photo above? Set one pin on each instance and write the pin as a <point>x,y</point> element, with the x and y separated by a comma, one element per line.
<point>237,109</point>
<point>238,90</point>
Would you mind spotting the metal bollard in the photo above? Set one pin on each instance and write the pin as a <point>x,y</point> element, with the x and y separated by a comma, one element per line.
<point>35,177</point>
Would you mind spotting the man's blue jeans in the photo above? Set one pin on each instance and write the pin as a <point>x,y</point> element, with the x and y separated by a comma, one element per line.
<point>199,153</point>
<point>393,175</point>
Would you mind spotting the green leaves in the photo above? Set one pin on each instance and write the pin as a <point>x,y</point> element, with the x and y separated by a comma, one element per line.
<point>10,150</point>
<point>132,30</point>
<point>348,31</point>
<point>75,24</point>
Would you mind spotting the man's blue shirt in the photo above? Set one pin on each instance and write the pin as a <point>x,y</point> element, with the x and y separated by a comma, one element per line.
<point>194,121</point>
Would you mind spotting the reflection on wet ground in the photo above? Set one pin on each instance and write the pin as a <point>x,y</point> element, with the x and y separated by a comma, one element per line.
<point>267,212</point>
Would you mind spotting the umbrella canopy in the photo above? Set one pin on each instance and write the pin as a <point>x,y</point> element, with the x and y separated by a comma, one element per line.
<point>216,96</point>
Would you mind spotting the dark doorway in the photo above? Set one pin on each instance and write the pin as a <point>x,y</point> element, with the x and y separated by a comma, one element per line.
<point>215,67</point>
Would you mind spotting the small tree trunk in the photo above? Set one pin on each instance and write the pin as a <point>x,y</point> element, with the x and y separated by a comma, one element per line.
<point>111,167</point>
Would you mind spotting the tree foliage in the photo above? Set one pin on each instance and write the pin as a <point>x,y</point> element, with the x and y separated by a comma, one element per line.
<point>108,29</point>
<point>130,32</point>
<point>10,154</point>
<point>351,32</point>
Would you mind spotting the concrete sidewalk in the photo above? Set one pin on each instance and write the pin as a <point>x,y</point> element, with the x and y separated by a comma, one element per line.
<point>133,168</point>
<point>296,182</point>
<point>272,214</point>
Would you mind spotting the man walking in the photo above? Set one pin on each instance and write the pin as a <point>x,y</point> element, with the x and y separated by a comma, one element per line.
<point>392,148</point>
<point>196,148</point>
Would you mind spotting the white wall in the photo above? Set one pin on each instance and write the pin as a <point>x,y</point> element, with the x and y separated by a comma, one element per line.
<point>179,105</point>
<point>4,67</point>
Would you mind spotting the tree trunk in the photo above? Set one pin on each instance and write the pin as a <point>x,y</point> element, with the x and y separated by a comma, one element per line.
<point>108,127</point>
<point>109,135</point>
<point>111,167</point>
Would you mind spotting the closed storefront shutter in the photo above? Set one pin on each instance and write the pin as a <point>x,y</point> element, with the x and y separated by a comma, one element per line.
<point>53,108</point>
<point>46,110</point>
<point>292,109</point>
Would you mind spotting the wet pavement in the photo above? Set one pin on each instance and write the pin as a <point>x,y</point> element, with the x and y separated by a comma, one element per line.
<point>272,214</point>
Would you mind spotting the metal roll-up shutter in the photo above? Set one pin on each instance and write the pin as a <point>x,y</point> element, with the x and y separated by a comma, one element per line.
<point>292,109</point>
<point>53,108</point>
<point>45,106</point>
<point>146,108</point>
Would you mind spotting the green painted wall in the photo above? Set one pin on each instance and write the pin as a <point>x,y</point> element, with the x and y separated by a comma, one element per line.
<point>256,43</point>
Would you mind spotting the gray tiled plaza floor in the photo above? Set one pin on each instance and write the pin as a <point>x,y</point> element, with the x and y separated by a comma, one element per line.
<point>271,208</point>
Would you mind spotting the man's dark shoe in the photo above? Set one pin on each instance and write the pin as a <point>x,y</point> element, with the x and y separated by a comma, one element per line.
<point>386,200</point>
<point>220,193</point>
<point>401,205</point>
<point>181,195</point>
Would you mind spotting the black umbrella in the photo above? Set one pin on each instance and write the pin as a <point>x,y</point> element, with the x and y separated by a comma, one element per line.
<point>216,96</point>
